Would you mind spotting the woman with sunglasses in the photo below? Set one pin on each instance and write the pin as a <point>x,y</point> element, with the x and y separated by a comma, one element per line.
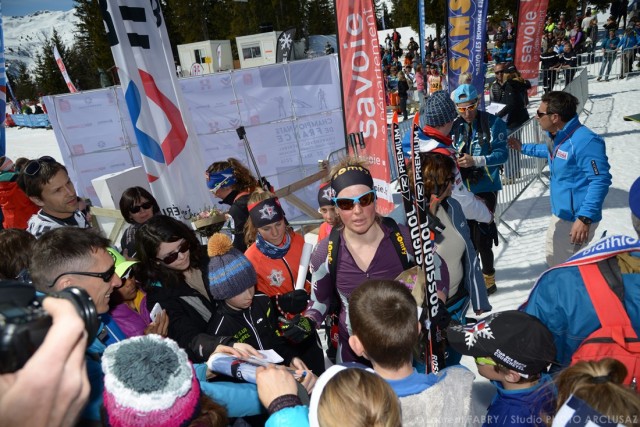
<point>137,205</point>
<point>173,272</point>
<point>275,254</point>
<point>460,276</point>
<point>232,182</point>
<point>365,249</point>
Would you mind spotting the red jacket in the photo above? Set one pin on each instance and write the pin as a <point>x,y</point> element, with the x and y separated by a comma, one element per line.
<point>17,208</point>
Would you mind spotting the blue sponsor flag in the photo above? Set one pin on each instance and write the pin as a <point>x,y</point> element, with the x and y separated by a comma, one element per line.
<point>465,41</point>
<point>421,29</point>
<point>3,90</point>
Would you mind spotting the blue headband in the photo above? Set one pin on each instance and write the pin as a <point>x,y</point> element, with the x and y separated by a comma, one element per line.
<point>221,179</point>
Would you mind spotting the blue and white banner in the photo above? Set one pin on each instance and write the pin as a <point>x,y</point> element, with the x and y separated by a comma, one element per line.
<point>3,90</point>
<point>421,30</point>
<point>466,33</point>
<point>171,156</point>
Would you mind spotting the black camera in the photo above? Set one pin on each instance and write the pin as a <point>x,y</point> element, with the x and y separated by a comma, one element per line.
<point>473,175</point>
<point>24,323</point>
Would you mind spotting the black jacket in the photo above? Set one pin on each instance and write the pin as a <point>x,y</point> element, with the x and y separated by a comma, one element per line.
<point>240,213</point>
<point>514,95</point>
<point>256,325</point>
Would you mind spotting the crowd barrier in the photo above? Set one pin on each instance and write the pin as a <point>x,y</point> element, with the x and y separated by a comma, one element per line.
<point>31,120</point>
<point>622,63</point>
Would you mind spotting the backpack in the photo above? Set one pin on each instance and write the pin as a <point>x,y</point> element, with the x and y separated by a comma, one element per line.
<point>616,337</point>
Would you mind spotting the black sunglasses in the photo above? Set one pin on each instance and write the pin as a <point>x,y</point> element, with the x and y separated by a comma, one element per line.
<point>499,72</point>
<point>541,114</point>
<point>348,203</point>
<point>33,167</point>
<point>171,257</point>
<point>145,206</point>
<point>106,276</point>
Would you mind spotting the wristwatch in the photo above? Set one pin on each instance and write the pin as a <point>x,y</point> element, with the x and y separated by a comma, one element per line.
<point>585,220</point>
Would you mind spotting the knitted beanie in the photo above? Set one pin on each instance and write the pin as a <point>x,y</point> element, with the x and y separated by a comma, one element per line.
<point>230,272</point>
<point>148,381</point>
<point>439,109</point>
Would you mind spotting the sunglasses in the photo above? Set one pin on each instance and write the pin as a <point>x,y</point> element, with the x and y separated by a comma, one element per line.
<point>348,203</point>
<point>171,257</point>
<point>33,167</point>
<point>106,276</point>
<point>145,206</point>
<point>499,72</point>
<point>467,108</point>
<point>541,114</point>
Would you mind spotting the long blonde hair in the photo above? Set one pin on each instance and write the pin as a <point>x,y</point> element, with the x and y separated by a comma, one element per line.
<point>606,395</point>
<point>368,400</point>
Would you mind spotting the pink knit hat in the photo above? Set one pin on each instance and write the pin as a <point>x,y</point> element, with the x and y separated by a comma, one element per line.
<point>6,164</point>
<point>149,381</point>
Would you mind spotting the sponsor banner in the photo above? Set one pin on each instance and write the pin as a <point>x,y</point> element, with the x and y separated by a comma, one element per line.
<point>465,38</point>
<point>531,18</point>
<point>63,70</point>
<point>363,89</point>
<point>3,89</point>
<point>167,141</point>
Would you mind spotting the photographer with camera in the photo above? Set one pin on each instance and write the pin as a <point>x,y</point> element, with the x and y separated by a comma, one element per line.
<point>480,139</point>
<point>55,374</point>
<point>73,257</point>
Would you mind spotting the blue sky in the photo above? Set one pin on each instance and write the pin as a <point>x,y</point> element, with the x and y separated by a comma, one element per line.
<point>25,7</point>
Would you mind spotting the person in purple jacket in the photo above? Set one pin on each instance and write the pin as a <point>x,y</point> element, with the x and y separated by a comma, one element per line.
<point>365,250</point>
<point>128,303</point>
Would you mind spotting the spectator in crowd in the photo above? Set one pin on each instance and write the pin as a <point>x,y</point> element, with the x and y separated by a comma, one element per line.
<point>549,62</point>
<point>627,50</point>
<point>16,207</point>
<point>591,33</point>
<point>137,205</point>
<point>403,94</point>
<point>609,50</point>
<point>580,177</point>
<point>48,185</point>
<point>480,140</point>
<point>232,182</point>
<point>16,246</point>
<point>434,80</point>
<point>514,351</point>
<point>568,62</point>
<point>70,256</point>
<point>420,86</point>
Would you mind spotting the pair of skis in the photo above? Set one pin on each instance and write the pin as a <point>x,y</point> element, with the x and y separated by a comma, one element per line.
<point>420,222</point>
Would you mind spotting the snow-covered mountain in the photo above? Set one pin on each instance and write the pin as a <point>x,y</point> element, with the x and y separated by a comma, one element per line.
<point>24,35</point>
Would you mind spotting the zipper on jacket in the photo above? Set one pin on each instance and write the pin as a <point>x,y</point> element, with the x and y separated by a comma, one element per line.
<point>250,322</point>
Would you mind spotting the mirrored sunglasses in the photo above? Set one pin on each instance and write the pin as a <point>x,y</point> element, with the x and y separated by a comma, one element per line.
<point>467,108</point>
<point>348,203</point>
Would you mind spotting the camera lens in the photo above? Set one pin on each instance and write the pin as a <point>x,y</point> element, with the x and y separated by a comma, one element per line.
<point>84,306</point>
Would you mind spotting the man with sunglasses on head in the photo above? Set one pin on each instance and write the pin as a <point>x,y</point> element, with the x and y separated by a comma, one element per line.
<point>70,256</point>
<point>46,182</point>
<point>580,177</point>
<point>480,140</point>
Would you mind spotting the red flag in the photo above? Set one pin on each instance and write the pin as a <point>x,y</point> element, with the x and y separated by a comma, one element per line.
<point>363,89</point>
<point>531,19</point>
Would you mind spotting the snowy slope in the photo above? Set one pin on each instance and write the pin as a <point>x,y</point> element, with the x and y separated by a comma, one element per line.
<point>24,35</point>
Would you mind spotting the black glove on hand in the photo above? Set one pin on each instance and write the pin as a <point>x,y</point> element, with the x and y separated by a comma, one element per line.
<point>442,318</point>
<point>293,302</point>
<point>297,329</point>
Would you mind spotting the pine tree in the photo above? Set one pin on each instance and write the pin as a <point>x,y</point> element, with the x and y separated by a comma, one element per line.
<point>22,84</point>
<point>48,77</point>
<point>320,17</point>
<point>91,50</point>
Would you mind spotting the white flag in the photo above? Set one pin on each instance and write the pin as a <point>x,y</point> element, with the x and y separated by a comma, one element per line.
<point>140,45</point>
<point>219,57</point>
<point>63,70</point>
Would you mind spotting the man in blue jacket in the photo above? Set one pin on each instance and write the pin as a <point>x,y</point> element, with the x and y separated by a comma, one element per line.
<point>580,177</point>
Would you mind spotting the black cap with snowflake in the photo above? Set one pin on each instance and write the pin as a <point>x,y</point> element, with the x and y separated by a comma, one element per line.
<point>512,338</point>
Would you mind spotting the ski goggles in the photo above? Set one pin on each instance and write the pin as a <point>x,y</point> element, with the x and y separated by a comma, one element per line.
<point>348,203</point>
<point>467,108</point>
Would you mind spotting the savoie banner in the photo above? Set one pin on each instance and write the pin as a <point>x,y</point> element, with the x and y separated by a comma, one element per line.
<point>140,45</point>
<point>467,27</point>
<point>531,19</point>
<point>363,89</point>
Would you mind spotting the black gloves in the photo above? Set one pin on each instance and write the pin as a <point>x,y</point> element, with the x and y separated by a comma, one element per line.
<point>297,329</point>
<point>293,302</point>
<point>442,318</point>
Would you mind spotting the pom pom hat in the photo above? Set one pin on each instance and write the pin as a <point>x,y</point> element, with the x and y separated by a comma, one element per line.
<point>148,381</point>
<point>230,272</point>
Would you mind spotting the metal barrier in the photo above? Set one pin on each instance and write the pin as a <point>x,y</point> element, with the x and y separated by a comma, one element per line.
<point>622,63</point>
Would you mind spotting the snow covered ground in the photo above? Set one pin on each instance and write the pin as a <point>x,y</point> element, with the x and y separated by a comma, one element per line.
<point>519,258</point>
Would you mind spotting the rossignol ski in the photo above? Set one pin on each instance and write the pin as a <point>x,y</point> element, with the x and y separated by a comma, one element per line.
<point>431,350</point>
